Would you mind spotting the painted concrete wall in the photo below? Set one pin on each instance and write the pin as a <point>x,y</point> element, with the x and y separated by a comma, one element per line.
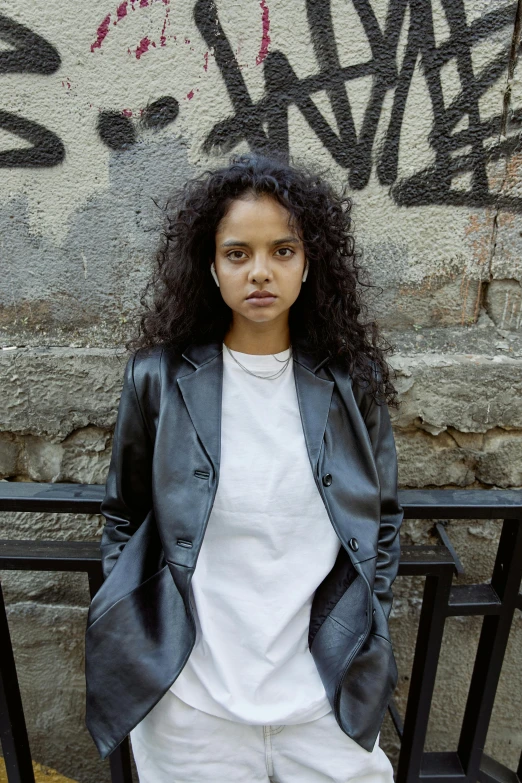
<point>105,108</point>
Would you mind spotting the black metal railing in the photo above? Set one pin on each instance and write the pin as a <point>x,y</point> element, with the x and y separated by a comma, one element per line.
<point>496,601</point>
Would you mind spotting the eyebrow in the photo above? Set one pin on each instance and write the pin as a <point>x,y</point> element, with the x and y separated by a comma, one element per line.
<point>237,243</point>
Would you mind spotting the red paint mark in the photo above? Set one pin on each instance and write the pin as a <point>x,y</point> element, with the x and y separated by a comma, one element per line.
<point>166,21</point>
<point>265,40</point>
<point>187,40</point>
<point>190,95</point>
<point>121,13</point>
<point>101,32</point>
<point>143,46</point>
<point>127,112</point>
<point>205,57</point>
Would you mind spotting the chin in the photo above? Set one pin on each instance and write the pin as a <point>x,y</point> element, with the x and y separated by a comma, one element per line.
<point>261,314</point>
<point>263,319</point>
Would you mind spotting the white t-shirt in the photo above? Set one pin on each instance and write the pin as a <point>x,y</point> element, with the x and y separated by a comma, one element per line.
<point>269,543</point>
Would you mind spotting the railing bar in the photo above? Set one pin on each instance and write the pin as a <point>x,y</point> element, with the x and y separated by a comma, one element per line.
<point>441,767</point>
<point>423,560</point>
<point>418,504</point>
<point>492,644</point>
<point>396,718</point>
<point>445,539</point>
<point>424,670</point>
<point>473,610</point>
<point>477,599</point>
<point>492,771</point>
<point>13,731</point>
<point>120,765</point>
<point>44,547</point>
<point>27,554</point>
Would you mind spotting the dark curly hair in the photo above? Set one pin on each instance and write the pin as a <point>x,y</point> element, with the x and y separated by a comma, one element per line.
<point>327,315</point>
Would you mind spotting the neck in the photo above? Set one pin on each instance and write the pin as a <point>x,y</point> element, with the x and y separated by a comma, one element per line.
<point>258,338</point>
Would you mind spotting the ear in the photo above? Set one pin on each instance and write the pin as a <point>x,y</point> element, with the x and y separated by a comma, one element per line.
<point>214,275</point>
<point>305,273</point>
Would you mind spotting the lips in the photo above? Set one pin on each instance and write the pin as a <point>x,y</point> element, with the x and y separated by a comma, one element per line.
<point>261,298</point>
<point>261,295</point>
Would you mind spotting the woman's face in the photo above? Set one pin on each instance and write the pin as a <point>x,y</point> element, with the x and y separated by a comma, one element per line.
<point>256,250</point>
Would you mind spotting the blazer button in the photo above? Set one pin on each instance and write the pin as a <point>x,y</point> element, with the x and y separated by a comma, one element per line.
<point>353,544</point>
<point>327,479</point>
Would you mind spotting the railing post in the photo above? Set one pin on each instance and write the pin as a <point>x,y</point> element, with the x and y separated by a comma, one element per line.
<point>427,649</point>
<point>494,637</point>
<point>13,732</point>
<point>120,763</point>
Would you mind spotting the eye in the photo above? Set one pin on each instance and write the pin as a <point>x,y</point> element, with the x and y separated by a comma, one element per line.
<point>229,255</point>
<point>287,248</point>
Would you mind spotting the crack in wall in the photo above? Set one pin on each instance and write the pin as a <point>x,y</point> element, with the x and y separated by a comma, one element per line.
<point>506,105</point>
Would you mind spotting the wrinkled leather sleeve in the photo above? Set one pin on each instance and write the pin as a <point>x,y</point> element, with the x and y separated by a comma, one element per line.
<point>379,428</point>
<point>128,494</point>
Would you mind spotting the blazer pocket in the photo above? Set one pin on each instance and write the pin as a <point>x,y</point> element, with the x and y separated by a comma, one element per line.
<point>141,558</point>
<point>98,610</point>
<point>340,634</point>
<point>367,688</point>
<point>350,610</point>
<point>379,621</point>
<point>133,653</point>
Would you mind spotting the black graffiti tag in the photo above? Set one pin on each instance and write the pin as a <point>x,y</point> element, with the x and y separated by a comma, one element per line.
<point>462,142</point>
<point>455,152</point>
<point>31,54</point>
<point>118,132</point>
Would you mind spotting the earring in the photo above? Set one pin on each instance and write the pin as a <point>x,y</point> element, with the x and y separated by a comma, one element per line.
<point>214,275</point>
<point>305,273</point>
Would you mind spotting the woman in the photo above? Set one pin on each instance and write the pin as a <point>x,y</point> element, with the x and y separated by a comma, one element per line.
<point>253,439</point>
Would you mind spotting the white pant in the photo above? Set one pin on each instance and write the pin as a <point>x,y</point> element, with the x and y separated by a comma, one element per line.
<point>177,743</point>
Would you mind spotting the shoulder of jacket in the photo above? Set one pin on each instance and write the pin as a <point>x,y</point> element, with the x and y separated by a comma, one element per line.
<point>150,363</point>
<point>359,385</point>
<point>145,362</point>
<point>148,355</point>
<point>144,367</point>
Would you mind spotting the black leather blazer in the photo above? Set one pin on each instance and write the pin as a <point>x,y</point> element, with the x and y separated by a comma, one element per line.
<point>161,484</point>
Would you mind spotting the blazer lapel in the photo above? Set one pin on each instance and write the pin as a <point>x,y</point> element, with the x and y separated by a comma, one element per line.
<point>202,393</point>
<point>314,395</point>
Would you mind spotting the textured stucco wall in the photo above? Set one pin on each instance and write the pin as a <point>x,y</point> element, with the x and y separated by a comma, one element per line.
<point>107,106</point>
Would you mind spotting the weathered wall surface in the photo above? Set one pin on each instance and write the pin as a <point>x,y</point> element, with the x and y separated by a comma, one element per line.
<point>105,107</point>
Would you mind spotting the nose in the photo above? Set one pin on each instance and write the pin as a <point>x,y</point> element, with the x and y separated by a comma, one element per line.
<point>260,268</point>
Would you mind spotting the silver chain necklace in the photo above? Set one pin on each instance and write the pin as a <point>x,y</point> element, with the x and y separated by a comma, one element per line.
<point>285,362</point>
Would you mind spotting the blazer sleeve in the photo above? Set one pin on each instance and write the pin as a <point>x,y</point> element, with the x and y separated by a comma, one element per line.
<point>379,428</point>
<point>128,492</point>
